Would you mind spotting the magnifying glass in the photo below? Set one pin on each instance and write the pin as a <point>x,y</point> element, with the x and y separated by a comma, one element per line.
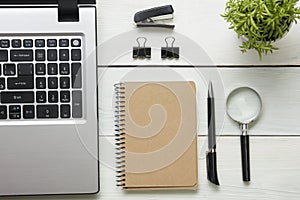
<point>244,106</point>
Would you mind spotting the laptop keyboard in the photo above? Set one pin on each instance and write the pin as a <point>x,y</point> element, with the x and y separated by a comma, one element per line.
<point>41,78</point>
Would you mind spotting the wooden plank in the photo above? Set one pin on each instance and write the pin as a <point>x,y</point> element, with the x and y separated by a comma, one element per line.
<point>277,86</point>
<point>201,33</point>
<point>275,172</point>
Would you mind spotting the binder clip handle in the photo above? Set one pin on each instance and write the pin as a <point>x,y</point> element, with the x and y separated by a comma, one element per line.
<point>141,51</point>
<point>139,43</point>
<point>172,39</point>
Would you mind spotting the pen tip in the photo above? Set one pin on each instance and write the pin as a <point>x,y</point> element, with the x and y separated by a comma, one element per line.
<point>210,89</point>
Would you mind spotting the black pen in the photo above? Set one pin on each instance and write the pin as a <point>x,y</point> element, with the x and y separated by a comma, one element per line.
<point>211,156</point>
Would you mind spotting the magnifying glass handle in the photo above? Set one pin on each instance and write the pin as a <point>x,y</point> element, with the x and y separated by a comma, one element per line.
<point>245,157</point>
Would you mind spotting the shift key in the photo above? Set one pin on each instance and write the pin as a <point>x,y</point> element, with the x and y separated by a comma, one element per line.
<point>17,97</point>
<point>21,55</point>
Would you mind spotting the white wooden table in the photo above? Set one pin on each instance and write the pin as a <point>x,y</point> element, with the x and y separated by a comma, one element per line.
<point>205,40</point>
<point>275,137</point>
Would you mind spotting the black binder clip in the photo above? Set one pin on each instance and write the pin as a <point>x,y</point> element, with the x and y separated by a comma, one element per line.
<point>170,51</point>
<point>141,51</point>
<point>147,18</point>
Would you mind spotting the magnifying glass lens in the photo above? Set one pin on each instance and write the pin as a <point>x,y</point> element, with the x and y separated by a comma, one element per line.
<point>243,105</point>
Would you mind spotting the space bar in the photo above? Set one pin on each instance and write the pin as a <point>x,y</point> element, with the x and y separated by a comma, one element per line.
<point>17,97</point>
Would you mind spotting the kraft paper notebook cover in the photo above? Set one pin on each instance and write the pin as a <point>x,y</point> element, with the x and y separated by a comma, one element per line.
<point>156,135</point>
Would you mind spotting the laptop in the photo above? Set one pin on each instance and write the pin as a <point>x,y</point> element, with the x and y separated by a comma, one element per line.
<point>48,97</point>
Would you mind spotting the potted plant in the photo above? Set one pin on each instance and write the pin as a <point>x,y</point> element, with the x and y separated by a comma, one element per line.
<point>261,22</point>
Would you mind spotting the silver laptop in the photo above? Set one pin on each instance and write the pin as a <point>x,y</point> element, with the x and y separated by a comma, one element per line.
<point>48,97</point>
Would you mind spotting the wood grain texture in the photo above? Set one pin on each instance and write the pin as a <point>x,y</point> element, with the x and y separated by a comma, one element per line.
<point>275,173</point>
<point>275,168</point>
<point>198,21</point>
<point>278,87</point>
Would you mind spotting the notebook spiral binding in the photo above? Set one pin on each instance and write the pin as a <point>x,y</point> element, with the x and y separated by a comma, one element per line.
<point>120,133</point>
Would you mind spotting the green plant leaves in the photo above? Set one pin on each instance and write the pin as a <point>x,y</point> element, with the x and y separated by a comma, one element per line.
<point>261,22</point>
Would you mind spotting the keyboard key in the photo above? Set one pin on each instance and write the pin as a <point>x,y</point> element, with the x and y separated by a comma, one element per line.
<point>76,75</point>
<point>16,43</point>
<point>15,112</point>
<point>2,83</point>
<point>64,69</point>
<point>14,109</point>
<point>52,55</point>
<point>40,69</point>
<point>52,69</point>
<point>65,96</point>
<point>3,55</point>
<point>76,42</point>
<point>52,83</point>
<point>41,83</point>
<point>39,43</point>
<point>64,55</point>
<point>28,43</point>
<point>52,43</point>
<point>21,55</point>
<point>40,55</point>
<point>17,97</point>
<point>22,82</point>
<point>53,97</point>
<point>65,111</point>
<point>3,112</point>
<point>76,54</point>
<point>9,69</point>
<point>63,42</point>
<point>41,97</point>
<point>28,112</point>
<point>64,82</point>
<point>14,115</point>
<point>47,111</point>
<point>25,69</point>
<point>4,44</point>
<point>76,104</point>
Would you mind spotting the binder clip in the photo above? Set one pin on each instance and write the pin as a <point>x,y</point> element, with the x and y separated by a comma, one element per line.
<point>141,51</point>
<point>170,51</point>
<point>148,18</point>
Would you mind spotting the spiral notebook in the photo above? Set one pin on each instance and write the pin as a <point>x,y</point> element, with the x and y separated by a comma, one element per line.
<point>156,135</point>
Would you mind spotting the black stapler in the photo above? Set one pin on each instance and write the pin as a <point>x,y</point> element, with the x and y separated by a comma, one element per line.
<point>148,18</point>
